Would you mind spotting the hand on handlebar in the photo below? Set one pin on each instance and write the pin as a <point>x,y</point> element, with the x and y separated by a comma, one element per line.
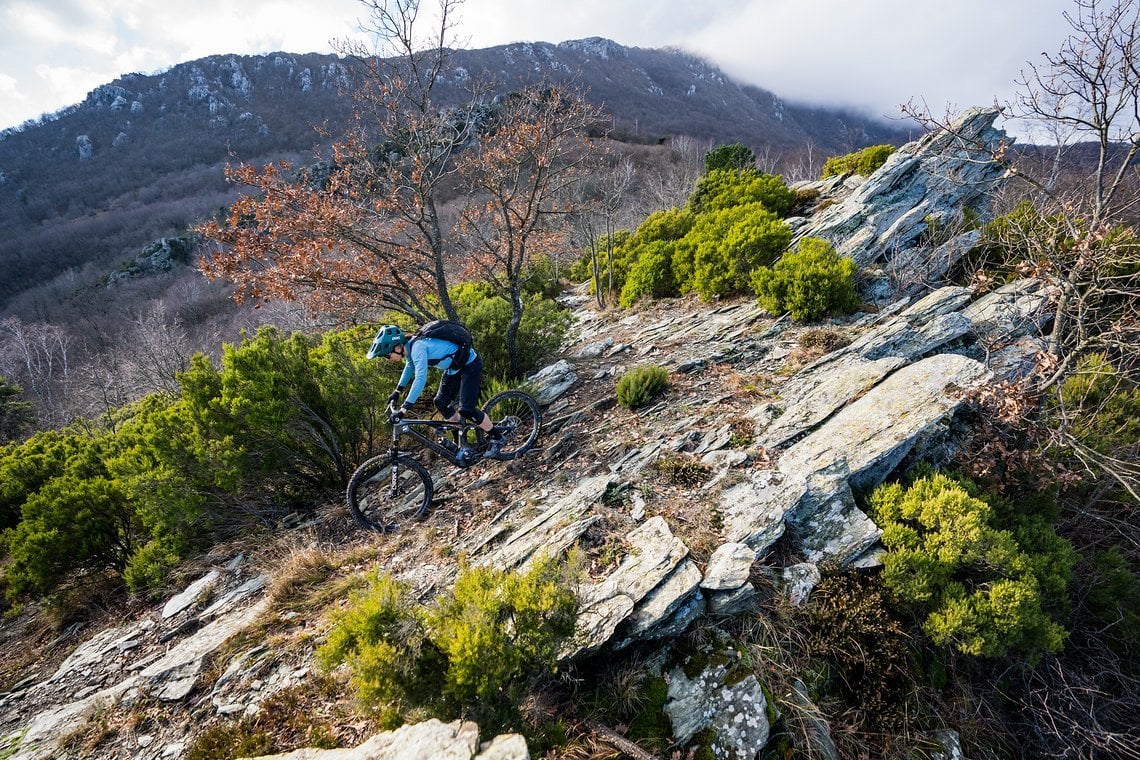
<point>393,397</point>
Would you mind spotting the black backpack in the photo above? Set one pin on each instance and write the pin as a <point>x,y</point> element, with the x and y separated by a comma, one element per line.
<point>452,332</point>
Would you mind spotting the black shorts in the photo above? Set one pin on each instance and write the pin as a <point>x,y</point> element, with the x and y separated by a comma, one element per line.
<point>464,383</point>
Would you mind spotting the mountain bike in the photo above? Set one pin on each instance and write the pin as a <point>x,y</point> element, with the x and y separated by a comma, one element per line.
<point>394,486</point>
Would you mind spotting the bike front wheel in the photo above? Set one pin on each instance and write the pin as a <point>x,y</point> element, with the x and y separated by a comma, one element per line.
<point>387,490</point>
<point>517,417</point>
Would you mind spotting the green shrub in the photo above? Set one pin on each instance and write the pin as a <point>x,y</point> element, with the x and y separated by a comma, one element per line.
<point>641,385</point>
<point>476,650</point>
<point>724,188</point>
<point>148,568</point>
<point>25,468</point>
<point>382,639</point>
<point>735,156</point>
<point>651,274</point>
<point>498,630</point>
<point>719,254</point>
<point>1113,599</point>
<point>863,162</point>
<point>284,418</point>
<point>1099,406</point>
<point>543,327</point>
<point>811,282</point>
<point>663,226</point>
<point>75,523</point>
<point>978,586</point>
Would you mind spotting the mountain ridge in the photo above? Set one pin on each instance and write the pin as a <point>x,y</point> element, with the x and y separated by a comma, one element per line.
<point>141,157</point>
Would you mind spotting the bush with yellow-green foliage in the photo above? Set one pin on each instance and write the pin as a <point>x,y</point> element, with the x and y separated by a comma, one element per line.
<point>811,282</point>
<point>724,247</point>
<point>486,315</point>
<point>1099,407</point>
<point>641,385</point>
<point>982,579</point>
<point>731,225</point>
<point>723,188</point>
<point>620,257</point>
<point>475,651</point>
<point>863,162</point>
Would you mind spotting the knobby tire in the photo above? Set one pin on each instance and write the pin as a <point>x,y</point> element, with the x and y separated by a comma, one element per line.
<point>521,414</point>
<point>370,495</point>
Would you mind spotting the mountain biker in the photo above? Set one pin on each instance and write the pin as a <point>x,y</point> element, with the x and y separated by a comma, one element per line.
<point>462,377</point>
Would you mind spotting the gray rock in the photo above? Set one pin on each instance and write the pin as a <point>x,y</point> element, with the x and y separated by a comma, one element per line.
<point>728,567</point>
<point>799,581</point>
<point>1016,361</point>
<point>653,615</point>
<point>558,526</point>
<point>754,509</point>
<point>817,731</point>
<point>504,747</point>
<point>458,740</point>
<point>855,448</point>
<point>170,677</point>
<point>1010,312</point>
<point>198,589</point>
<point>734,602</point>
<point>594,350</point>
<point>552,381</point>
<point>874,433</point>
<point>736,713</point>
<point>829,525</point>
<point>818,395</point>
<point>654,553</point>
<point>930,179</point>
<point>913,269</point>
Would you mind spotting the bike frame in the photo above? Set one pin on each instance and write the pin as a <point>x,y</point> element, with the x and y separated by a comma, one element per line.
<point>415,429</point>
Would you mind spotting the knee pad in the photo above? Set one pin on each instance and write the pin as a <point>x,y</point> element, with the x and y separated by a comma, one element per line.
<point>446,409</point>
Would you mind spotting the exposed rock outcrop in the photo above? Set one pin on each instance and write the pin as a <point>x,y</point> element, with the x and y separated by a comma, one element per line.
<point>897,217</point>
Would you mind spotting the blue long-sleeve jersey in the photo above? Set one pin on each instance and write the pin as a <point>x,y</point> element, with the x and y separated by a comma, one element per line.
<point>422,353</point>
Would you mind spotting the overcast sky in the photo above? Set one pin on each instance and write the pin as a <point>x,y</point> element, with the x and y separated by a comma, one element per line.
<point>872,54</point>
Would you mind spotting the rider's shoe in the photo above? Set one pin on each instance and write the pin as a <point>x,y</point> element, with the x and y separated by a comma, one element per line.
<point>467,456</point>
<point>495,443</point>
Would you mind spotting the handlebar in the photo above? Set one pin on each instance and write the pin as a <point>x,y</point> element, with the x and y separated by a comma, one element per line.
<point>394,415</point>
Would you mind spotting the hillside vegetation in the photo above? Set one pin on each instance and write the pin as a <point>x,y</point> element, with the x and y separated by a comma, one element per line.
<point>844,467</point>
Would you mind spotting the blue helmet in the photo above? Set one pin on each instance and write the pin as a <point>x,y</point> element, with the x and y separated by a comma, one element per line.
<point>386,341</point>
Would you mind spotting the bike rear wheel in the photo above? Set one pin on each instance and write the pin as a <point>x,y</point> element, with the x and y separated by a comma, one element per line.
<point>517,416</point>
<point>385,491</point>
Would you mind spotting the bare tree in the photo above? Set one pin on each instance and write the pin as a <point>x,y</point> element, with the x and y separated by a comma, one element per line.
<point>39,357</point>
<point>601,202</point>
<point>1074,227</point>
<point>671,186</point>
<point>520,175</point>
<point>364,228</point>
